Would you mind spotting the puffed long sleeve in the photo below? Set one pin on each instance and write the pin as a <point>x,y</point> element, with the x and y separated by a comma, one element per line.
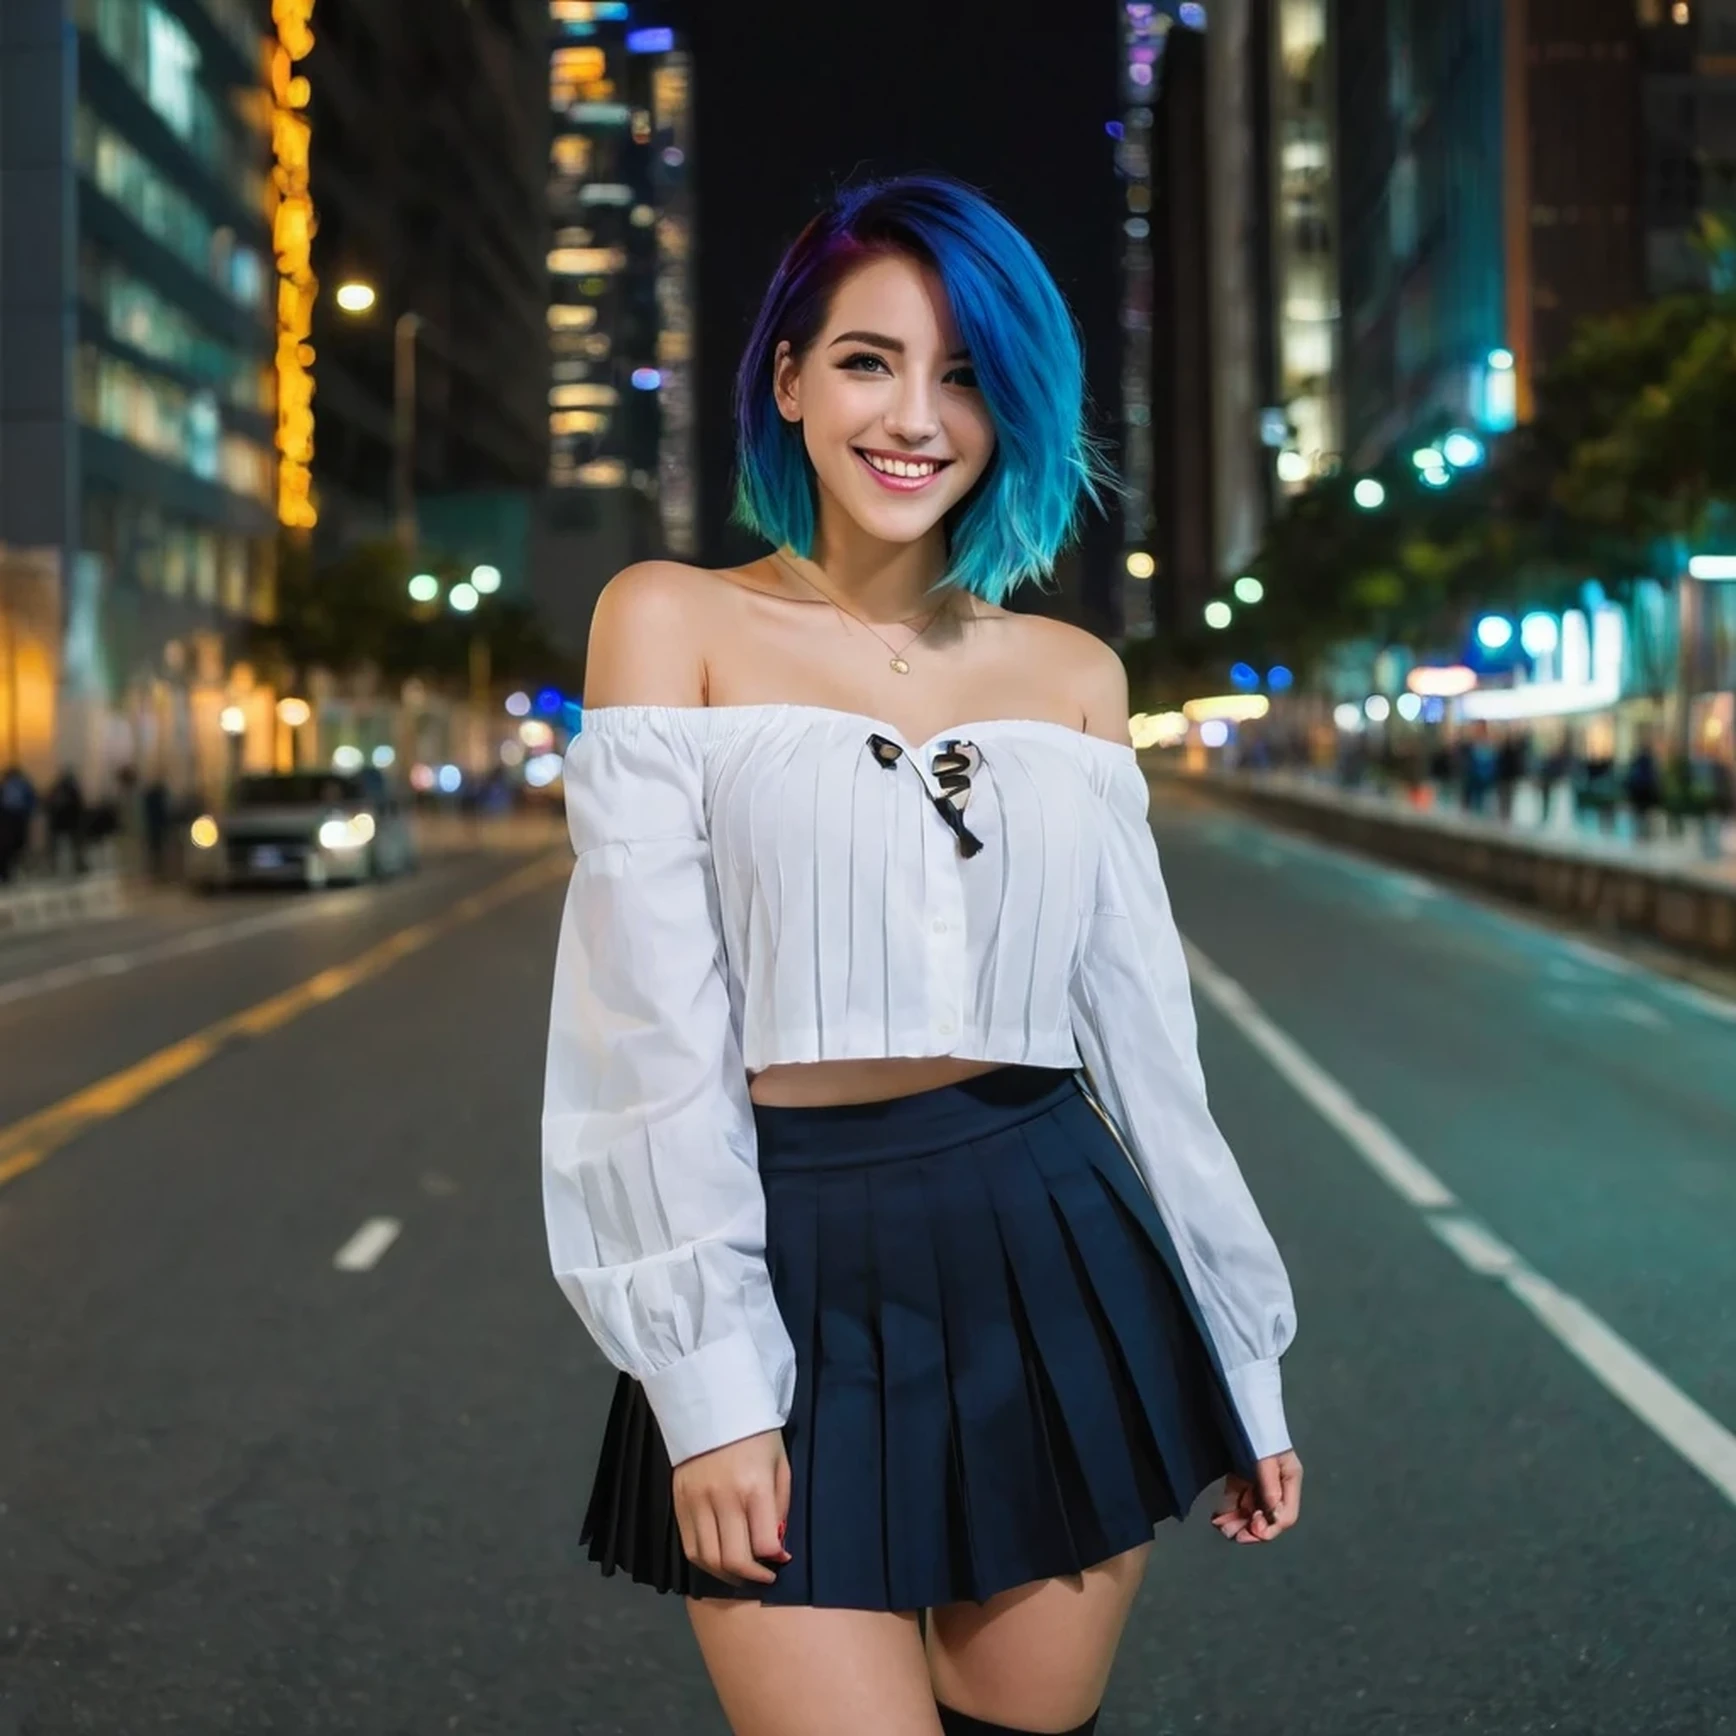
<point>1133,1019</point>
<point>651,1191</point>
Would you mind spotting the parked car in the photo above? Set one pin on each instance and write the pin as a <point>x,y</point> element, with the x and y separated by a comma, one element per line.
<point>303,829</point>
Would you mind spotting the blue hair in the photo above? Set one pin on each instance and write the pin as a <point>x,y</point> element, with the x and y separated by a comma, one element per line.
<point>1024,347</point>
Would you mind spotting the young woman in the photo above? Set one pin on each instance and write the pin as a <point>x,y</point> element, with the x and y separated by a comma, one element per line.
<point>876,1150</point>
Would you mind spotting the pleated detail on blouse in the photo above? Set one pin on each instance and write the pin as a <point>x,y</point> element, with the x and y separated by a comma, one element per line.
<point>766,884</point>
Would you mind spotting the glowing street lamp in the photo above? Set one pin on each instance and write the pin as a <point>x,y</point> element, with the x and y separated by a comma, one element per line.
<point>424,588</point>
<point>292,713</point>
<point>1494,632</point>
<point>1249,589</point>
<point>232,720</point>
<point>1462,450</point>
<point>1140,565</point>
<point>356,297</point>
<point>485,580</point>
<point>463,598</point>
<point>1369,494</point>
<point>1219,615</point>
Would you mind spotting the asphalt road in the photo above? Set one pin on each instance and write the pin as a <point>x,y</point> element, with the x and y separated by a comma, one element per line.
<point>244,1489</point>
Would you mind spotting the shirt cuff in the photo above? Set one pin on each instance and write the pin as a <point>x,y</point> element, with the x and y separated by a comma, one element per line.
<point>717,1394</point>
<point>1257,1392</point>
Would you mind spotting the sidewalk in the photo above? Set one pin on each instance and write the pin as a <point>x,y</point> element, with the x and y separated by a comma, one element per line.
<point>1679,857</point>
<point>1665,890</point>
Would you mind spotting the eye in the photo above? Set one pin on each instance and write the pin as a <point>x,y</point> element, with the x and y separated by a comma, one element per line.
<point>865,362</point>
<point>965,377</point>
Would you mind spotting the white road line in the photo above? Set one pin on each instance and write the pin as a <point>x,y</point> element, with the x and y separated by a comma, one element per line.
<point>362,1252</point>
<point>1597,956</point>
<point>1412,1179</point>
<point>177,946</point>
<point>1702,1001</point>
<point>1652,1397</point>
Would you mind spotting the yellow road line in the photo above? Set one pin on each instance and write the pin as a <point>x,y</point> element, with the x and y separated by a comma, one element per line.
<point>37,1137</point>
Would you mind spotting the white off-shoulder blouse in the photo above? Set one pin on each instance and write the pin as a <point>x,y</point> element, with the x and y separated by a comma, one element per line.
<point>759,884</point>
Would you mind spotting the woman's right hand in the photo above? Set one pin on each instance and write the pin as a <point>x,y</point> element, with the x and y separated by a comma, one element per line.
<point>731,1504</point>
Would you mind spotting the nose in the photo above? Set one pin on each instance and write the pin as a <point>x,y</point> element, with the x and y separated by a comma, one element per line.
<point>913,416</point>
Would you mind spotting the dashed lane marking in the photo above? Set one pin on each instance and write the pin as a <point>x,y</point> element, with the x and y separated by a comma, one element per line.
<point>1646,1391</point>
<point>30,1142</point>
<point>364,1250</point>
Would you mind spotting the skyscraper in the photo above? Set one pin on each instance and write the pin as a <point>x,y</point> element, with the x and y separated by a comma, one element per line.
<point>621,484</point>
<point>137,481</point>
<point>428,155</point>
<point>1490,200</point>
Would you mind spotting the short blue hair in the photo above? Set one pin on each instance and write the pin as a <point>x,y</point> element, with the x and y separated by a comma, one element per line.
<point>1024,346</point>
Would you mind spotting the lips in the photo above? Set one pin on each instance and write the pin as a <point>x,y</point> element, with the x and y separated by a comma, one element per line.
<point>898,471</point>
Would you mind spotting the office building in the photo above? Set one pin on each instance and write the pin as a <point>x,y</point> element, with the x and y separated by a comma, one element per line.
<point>427,165</point>
<point>137,482</point>
<point>619,301</point>
<point>1184,331</point>
<point>1490,199</point>
<point>1687,54</point>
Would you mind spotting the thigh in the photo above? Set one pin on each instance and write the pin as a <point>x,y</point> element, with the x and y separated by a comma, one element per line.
<point>1037,1657</point>
<point>789,1671</point>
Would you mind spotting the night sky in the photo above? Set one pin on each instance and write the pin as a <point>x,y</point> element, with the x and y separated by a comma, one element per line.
<point>795,96</point>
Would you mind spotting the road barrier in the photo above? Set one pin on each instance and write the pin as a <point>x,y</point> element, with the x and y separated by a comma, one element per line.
<point>35,905</point>
<point>1688,907</point>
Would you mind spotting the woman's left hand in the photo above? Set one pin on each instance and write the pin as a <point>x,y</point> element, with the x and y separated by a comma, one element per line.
<point>1257,1512</point>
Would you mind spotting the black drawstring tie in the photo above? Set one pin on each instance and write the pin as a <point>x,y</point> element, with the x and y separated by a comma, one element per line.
<point>953,767</point>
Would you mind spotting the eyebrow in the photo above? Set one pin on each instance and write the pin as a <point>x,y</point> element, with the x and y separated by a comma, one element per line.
<point>880,341</point>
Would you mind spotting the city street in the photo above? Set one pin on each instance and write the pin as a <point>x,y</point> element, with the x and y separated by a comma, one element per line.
<point>299,1430</point>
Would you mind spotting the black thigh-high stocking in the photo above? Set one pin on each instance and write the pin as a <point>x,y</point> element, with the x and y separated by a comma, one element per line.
<point>962,1724</point>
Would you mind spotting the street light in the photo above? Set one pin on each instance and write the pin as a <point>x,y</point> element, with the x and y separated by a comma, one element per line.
<point>1369,494</point>
<point>1140,565</point>
<point>1219,615</point>
<point>463,597</point>
<point>357,298</point>
<point>485,580</point>
<point>1249,589</point>
<point>424,588</point>
<point>1462,450</point>
<point>293,713</point>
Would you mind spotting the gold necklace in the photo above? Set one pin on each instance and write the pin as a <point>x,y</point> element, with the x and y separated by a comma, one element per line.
<point>898,665</point>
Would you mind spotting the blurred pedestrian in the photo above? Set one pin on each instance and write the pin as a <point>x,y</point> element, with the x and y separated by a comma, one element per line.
<point>64,809</point>
<point>1510,758</point>
<point>889,1287</point>
<point>1643,787</point>
<point>154,809</point>
<point>17,804</point>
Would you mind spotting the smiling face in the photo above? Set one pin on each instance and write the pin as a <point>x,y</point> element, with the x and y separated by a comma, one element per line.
<point>894,425</point>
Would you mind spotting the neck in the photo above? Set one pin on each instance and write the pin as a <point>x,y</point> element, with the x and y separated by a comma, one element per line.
<point>881,581</point>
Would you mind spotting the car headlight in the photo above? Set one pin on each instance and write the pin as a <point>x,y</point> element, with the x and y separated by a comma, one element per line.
<point>346,834</point>
<point>203,832</point>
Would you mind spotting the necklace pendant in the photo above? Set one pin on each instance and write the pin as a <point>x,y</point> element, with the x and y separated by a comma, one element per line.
<point>899,666</point>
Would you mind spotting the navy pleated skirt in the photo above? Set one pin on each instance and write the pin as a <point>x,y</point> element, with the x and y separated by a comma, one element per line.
<point>1001,1374</point>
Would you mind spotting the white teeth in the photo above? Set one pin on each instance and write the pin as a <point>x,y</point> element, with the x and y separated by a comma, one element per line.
<point>908,467</point>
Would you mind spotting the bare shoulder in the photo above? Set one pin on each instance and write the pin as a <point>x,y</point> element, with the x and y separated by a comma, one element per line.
<point>648,633</point>
<point>1090,674</point>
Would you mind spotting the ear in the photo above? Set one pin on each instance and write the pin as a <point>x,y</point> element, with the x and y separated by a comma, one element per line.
<point>787,383</point>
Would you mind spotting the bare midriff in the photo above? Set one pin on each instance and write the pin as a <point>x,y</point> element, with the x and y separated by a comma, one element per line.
<point>823,1084</point>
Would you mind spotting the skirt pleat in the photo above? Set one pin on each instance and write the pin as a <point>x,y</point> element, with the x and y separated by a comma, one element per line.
<point>1001,1375</point>
<point>919,1482</point>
